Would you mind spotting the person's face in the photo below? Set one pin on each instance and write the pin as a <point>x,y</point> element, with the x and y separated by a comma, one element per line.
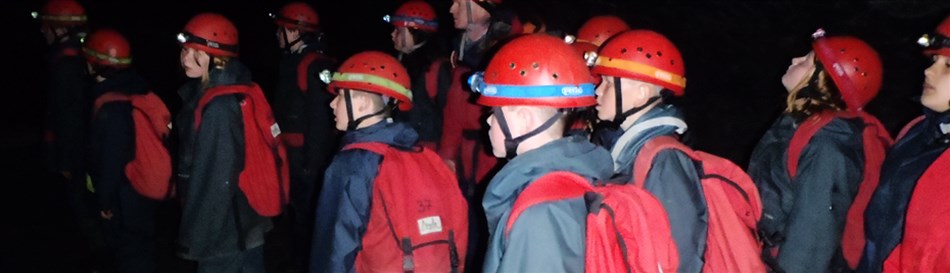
<point>606,99</point>
<point>936,93</point>
<point>402,40</point>
<point>338,104</point>
<point>460,10</point>
<point>285,35</point>
<point>48,33</point>
<point>495,135</point>
<point>800,68</point>
<point>194,62</point>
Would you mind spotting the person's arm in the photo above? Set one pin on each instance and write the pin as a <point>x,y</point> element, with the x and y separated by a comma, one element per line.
<point>813,234</point>
<point>673,180</point>
<point>113,139</point>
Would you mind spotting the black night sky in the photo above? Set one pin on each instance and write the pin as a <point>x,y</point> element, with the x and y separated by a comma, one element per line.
<point>735,53</point>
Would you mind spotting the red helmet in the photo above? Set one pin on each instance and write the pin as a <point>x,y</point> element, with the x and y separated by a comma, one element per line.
<point>107,47</point>
<point>939,41</point>
<point>373,71</point>
<point>62,13</point>
<point>600,28</point>
<point>297,15</point>
<point>415,14</point>
<point>535,69</point>
<point>212,33</point>
<point>642,55</point>
<point>853,66</point>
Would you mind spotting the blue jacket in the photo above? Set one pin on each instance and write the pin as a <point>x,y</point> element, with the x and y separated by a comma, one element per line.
<point>344,206</point>
<point>673,180</point>
<point>548,237</point>
<point>216,219</point>
<point>905,163</point>
<point>809,211</point>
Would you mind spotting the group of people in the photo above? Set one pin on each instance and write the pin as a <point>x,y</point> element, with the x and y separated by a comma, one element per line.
<point>501,156</point>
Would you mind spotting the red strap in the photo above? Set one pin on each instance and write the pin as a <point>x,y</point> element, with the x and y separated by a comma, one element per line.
<point>909,126</point>
<point>376,147</point>
<point>648,152</point>
<point>70,52</point>
<point>109,97</point>
<point>551,187</point>
<point>247,91</point>
<point>807,129</point>
<point>432,78</point>
<point>292,139</point>
<point>303,68</point>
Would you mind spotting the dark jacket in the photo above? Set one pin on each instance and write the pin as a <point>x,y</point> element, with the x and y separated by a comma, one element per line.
<point>905,163</point>
<point>810,211</point>
<point>673,180</point>
<point>68,104</point>
<point>216,217</point>
<point>112,139</point>
<point>344,205</point>
<point>548,237</point>
<point>426,113</point>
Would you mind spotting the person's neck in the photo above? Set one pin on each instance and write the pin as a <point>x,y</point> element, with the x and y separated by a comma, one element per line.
<point>535,142</point>
<point>475,32</point>
<point>371,121</point>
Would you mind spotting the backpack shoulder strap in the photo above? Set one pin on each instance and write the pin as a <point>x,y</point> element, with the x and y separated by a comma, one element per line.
<point>551,187</point>
<point>109,97</point>
<point>644,159</point>
<point>375,147</point>
<point>303,69</point>
<point>806,130</point>
<point>910,125</point>
<point>246,91</point>
<point>433,78</point>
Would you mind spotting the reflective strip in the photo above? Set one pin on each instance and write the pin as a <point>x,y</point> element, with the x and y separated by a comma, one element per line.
<point>412,21</point>
<point>538,91</point>
<point>63,18</point>
<point>372,79</point>
<point>640,68</point>
<point>105,57</point>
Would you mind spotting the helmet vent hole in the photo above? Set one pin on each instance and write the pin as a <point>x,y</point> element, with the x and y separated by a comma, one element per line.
<point>672,62</point>
<point>535,65</point>
<point>659,53</point>
<point>649,55</point>
<point>842,51</point>
<point>511,66</point>
<point>383,67</point>
<point>623,51</point>
<point>523,73</point>
<point>865,74</point>
<point>554,76</point>
<point>395,75</point>
<point>855,59</point>
<point>372,69</point>
<point>856,69</point>
<point>640,49</point>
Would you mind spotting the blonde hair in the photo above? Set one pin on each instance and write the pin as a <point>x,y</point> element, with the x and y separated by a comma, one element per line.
<point>813,95</point>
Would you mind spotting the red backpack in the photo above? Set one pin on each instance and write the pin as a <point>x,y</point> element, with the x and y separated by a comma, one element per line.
<point>150,171</point>
<point>876,140</point>
<point>418,219</point>
<point>732,201</point>
<point>265,178</point>
<point>627,230</point>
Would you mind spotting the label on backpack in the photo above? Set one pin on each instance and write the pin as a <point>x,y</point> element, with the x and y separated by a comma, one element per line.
<point>274,130</point>
<point>430,224</point>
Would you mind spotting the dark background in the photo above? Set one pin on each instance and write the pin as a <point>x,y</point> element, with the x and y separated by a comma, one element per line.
<point>735,53</point>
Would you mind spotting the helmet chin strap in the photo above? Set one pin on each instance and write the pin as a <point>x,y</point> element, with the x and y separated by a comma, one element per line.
<point>353,124</point>
<point>288,44</point>
<point>620,117</point>
<point>511,144</point>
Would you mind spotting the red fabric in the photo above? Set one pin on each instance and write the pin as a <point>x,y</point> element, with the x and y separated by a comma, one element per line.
<point>926,243</point>
<point>432,77</point>
<point>644,230</point>
<point>150,171</point>
<point>265,179</point>
<point>295,140</point>
<point>907,127</point>
<point>876,140</point>
<point>303,70</point>
<point>460,116</point>
<point>732,201</point>
<point>423,206</point>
